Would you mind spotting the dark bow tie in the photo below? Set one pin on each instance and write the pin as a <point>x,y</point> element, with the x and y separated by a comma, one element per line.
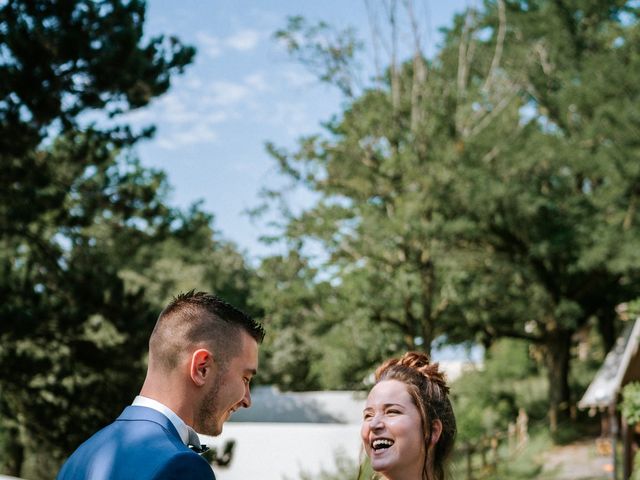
<point>198,449</point>
<point>194,442</point>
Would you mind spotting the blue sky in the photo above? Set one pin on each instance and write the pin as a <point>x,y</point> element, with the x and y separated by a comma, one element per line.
<point>243,90</point>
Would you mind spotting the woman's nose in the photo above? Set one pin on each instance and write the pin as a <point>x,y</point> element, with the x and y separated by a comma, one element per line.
<point>376,423</point>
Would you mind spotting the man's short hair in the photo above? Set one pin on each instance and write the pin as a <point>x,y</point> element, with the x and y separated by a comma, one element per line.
<point>199,319</point>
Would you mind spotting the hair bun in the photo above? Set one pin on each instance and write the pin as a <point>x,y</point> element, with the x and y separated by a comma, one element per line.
<point>421,362</point>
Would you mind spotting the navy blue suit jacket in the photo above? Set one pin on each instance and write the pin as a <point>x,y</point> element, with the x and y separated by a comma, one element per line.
<point>142,444</point>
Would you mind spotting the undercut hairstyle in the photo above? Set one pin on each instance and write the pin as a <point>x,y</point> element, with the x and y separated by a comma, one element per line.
<point>199,320</point>
<point>428,388</point>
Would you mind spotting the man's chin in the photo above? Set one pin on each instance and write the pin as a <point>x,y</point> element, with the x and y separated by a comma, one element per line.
<point>209,430</point>
<point>215,431</point>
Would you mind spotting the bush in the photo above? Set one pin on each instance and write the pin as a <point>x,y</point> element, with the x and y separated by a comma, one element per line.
<point>486,401</point>
<point>630,406</point>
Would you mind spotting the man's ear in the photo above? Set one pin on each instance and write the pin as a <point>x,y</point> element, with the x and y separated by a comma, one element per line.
<point>436,431</point>
<point>201,366</point>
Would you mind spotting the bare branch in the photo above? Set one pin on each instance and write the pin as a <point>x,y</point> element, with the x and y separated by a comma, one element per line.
<point>631,211</point>
<point>487,118</point>
<point>465,54</point>
<point>415,30</point>
<point>376,38</point>
<point>495,62</point>
<point>491,154</point>
<point>419,70</point>
<point>543,57</point>
<point>395,77</point>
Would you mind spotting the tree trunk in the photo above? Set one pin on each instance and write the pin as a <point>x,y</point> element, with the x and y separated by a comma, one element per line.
<point>13,453</point>
<point>606,330</point>
<point>558,356</point>
<point>428,278</point>
<point>427,337</point>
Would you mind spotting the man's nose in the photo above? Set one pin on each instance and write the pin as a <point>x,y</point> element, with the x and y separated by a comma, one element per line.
<point>246,400</point>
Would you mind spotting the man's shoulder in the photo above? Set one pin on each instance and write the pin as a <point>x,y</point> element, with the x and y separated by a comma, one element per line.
<point>184,465</point>
<point>137,427</point>
<point>138,441</point>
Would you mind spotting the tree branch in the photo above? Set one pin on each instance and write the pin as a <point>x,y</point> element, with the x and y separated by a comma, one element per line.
<point>495,62</point>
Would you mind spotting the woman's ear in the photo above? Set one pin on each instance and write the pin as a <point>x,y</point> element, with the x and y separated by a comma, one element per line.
<point>436,431</point>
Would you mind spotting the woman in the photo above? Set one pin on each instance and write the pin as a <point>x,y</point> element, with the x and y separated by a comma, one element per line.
<point>409,427</point>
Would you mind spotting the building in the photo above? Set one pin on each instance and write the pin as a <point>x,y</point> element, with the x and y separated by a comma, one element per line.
<point>621,366</point>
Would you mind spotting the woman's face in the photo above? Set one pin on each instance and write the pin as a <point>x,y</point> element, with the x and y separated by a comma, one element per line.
<point>392,432</point>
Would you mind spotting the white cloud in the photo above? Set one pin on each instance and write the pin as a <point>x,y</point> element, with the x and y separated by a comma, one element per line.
<point>256,81</point>
<point>293,118</point>
<point>199,133</point>
<point>298,78</point>
<point>225,94</point>
<point>243,40</point>
<point>215,117</point>
<point>174,110</point>
<point>194,83</point>
<point>141,116</point>
<point>210,45</point>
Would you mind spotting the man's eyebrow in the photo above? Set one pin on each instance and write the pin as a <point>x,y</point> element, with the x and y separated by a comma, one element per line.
<point>252,371</point>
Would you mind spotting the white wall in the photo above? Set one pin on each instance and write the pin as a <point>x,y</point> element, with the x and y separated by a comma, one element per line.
<point>269,451</point>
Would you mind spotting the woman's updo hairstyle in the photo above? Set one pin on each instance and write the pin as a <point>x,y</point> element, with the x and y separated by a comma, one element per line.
<point>427,386</point>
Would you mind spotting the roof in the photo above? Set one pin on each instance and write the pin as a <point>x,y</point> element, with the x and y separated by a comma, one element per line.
<point>621,365</point>
<point>271,405</point>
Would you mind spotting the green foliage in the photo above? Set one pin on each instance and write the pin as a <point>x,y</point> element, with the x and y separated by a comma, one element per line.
<point>522,465</point>
<point>487,400</point>
<point>630,405</point>
<point>489,192</point>
<point>63,58</point>
<point>283,289</point>
<point>633,308</point>
<point>71,336</point>
<point>550,191</point>
<point>376,219</point>
<point>189,255</point>
<point>344,468</point>
<point>325,51</point>
<point>89,249</point>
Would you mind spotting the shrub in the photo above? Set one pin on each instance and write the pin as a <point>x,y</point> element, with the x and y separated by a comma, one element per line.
<point>630,406</point>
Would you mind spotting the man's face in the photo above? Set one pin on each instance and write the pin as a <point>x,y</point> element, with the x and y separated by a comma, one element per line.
<point>229,388</point>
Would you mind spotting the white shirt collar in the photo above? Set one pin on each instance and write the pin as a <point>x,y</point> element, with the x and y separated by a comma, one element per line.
<point>187,434</point>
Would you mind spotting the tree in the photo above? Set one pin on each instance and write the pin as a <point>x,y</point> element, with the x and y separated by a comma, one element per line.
<point>552,209</point>
<point>71,335</point>
<point>385,175</point>
<point>191,254</point>
<point>489,192</point>
<point>63,58</point>
<point>381,175</point>
<point>319,342</point>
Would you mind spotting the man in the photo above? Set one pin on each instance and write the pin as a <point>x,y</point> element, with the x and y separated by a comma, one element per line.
<point>202,355</point>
